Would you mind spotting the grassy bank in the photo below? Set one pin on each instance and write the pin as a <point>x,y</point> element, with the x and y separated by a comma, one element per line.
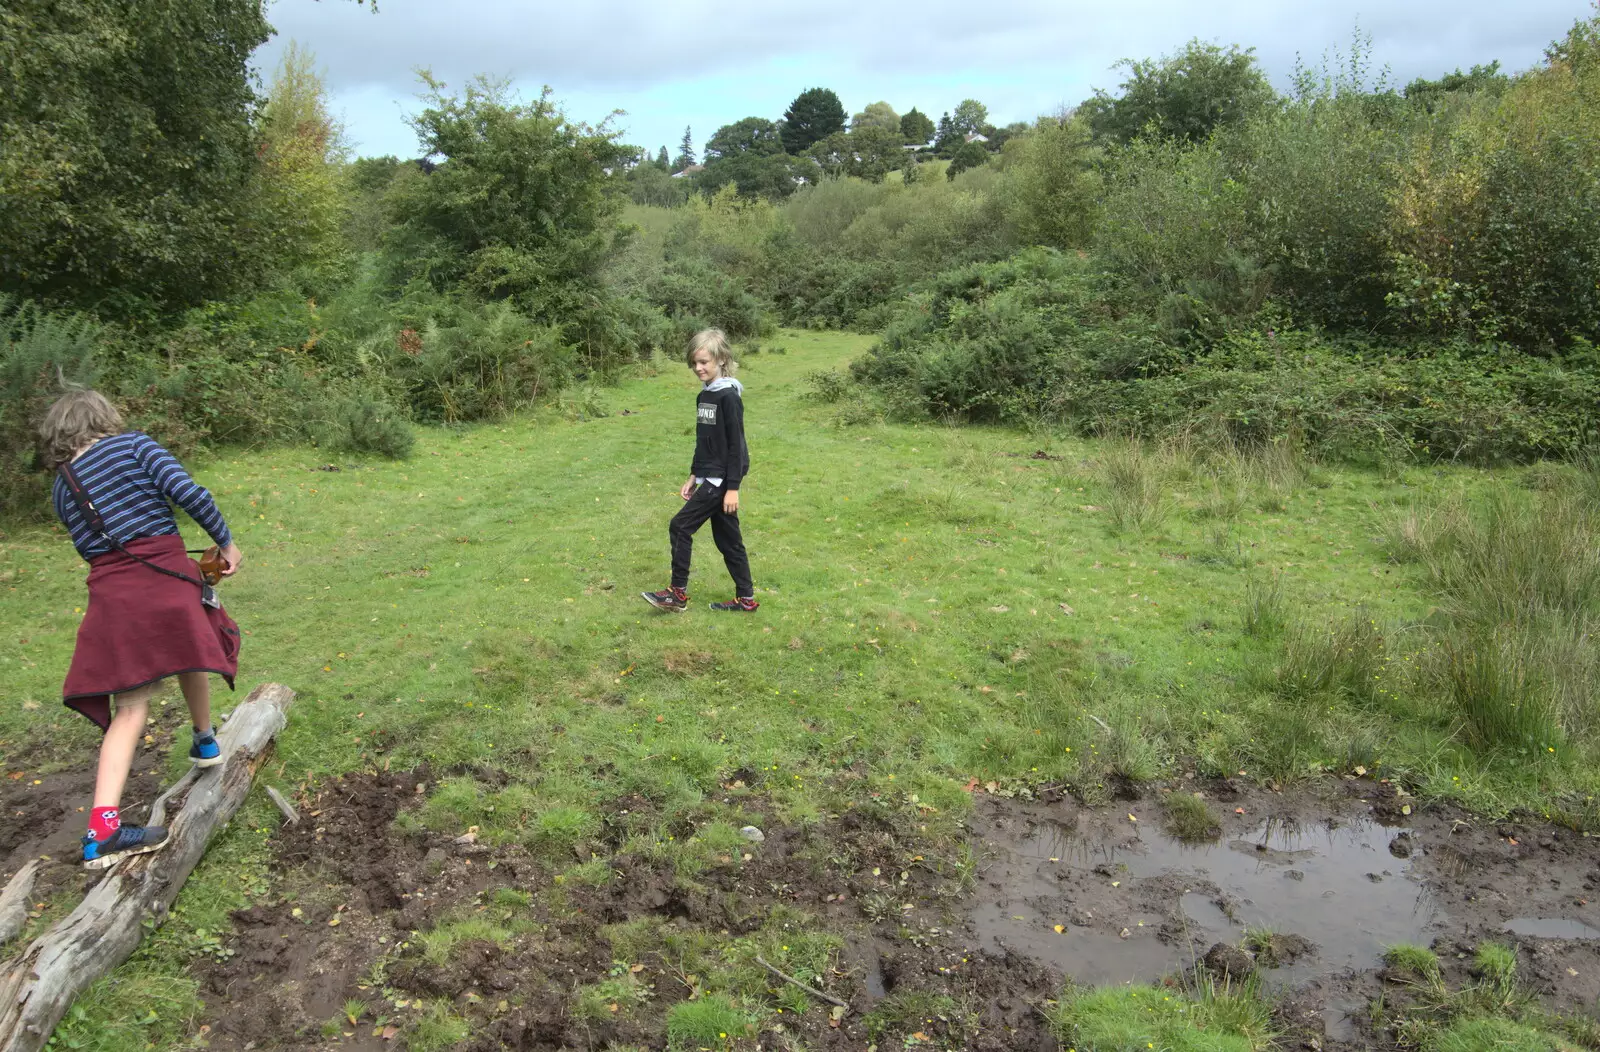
<point>938,605</point>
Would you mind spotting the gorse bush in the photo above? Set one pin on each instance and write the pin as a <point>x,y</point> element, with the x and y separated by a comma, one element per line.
<point>1044,336</point>
<point>39,351</point>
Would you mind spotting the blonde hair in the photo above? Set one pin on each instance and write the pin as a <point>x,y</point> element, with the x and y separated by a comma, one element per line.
<point>75,420</point>
<point>714,341</point>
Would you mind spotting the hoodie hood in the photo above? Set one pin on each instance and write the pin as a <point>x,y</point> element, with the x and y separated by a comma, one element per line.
<point>725,381</point>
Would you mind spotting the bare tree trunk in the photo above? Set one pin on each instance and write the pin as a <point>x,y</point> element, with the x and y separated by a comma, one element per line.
<point>37,987</point>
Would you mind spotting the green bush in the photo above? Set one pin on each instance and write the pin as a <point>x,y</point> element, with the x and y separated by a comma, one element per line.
<point>38,350</point>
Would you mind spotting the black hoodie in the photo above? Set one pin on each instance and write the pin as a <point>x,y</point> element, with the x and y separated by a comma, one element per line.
<point>719,446</point>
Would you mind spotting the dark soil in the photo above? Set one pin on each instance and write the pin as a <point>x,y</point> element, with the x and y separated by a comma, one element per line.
<point>44,816</point>
<point>1312,873</point>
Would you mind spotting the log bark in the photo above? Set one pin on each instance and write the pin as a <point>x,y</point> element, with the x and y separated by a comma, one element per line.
<point>37,986</point>
<point>14,901</point>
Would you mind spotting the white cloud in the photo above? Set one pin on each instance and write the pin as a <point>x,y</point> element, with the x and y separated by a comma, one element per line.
<point>1021,56</point>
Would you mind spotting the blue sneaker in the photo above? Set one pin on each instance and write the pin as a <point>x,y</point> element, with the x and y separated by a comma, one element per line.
<point>127,840</point>
<point>205,752</point>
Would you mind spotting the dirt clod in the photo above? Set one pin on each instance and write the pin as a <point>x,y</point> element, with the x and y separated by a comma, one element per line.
<point>1229,962</point>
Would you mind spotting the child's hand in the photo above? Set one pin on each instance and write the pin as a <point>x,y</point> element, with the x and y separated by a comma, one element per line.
<point>687,489</point>
<point>234,557</point>
<point>730,502</point>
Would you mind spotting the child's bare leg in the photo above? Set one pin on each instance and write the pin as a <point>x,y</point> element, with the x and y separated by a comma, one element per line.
<point>197,692</point>
<point>120,745</point>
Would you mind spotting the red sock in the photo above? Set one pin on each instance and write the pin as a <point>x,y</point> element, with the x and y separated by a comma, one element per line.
<point>104,821</point>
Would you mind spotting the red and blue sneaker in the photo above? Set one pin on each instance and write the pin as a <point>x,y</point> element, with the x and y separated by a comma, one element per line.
<point>127,840</point>
<point>738,606</point>
<point>674,599</point>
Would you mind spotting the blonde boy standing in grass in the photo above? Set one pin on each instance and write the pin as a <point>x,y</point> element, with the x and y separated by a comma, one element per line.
<point>721,460</point>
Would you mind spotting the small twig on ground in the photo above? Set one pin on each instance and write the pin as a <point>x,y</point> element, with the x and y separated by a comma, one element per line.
<point>289,813</point>
<point>1103,724</point>
<point>791,980</point>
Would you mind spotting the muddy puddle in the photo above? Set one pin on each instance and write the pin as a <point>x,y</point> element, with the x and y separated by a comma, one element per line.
<point>1337,876</point>
<point>1135,904</point>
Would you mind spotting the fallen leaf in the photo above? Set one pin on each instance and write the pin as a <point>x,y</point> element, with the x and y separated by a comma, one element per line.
<point>1406,810</point>
<point>1238,810</point>
<point>1360,770</point>
<point>1124,933</point>
<point>1116,883</point>
<point>920,1036</point>
<point>636,968</point>
<point>390,1033</point>
<point>1511,840</point>
<point>1132,818</point>
<point>972,783</point>
<point>1060,928</point>
<point>999,609</point>
<point>1065,609</point>
<point>1572,972</point>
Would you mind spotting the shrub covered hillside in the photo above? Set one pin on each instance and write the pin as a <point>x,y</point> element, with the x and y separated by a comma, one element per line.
<point>1373,269</point>
<point>1370,270</point>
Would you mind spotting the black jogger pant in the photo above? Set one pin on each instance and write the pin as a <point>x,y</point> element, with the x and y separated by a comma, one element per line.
<point>707,504</point>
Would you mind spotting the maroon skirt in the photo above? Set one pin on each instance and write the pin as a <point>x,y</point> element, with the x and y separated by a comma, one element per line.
<point>143,626</point>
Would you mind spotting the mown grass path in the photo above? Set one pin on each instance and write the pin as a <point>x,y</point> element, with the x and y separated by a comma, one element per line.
<point>938,605</point>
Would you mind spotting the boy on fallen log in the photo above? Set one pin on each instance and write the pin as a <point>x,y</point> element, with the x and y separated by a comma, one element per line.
<point>151,613</point>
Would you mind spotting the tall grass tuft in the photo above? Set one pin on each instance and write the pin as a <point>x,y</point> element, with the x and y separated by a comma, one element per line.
<point>1349,658</point>
<point>1134,495</point>
<point>1265,613</point>
<point>1518,575</point>
<point>1500,686</point>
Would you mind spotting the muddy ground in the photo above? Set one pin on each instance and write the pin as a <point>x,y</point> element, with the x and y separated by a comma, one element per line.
<point>1336,872</point>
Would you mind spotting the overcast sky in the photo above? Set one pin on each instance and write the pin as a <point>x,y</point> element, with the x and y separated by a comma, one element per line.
<point>705,63</point>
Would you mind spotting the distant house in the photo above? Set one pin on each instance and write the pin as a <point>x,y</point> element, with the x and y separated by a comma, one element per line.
<point>919,145</point>
<point>693,169</point>
<point>976,137</point>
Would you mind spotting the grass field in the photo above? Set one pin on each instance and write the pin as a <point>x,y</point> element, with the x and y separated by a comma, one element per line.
<point>938,605</point>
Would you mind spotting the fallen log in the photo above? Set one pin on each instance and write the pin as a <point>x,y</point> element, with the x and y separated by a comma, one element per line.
<point>37,986</point>
<point>14,901</point>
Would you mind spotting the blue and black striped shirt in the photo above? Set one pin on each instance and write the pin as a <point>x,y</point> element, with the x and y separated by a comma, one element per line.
<point>133,483</point>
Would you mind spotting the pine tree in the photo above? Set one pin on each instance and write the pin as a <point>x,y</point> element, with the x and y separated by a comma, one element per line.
<point>663,161</point>
<point>685,151</point>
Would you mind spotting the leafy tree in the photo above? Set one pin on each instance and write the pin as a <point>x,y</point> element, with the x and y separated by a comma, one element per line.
<point>875,152</point>
<point>832,155</point>
<point>916,127</point>
<point>998,137</point>
<point>749,154</point>
<point>1184,96</point>
<point>650,184</point>
<point>755,135</point>
<point>1052,187</point>
<point>299,208</point>
<point>685,156</point>
<point>815,114</point>
<point>969,155</point>
<point>367,180</point>
<point>127,155</point>
<point>970,118</point>
<point>769,175</point>
<point>876,115</point>
<point>1431,94</point>
<point>521,207</point>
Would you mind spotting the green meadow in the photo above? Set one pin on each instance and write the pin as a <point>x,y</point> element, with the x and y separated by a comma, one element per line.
<point>938,605</point>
